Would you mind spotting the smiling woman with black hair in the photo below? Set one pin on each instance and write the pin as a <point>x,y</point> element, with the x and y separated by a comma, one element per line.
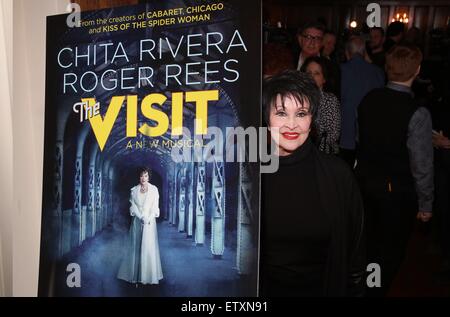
<point>312,217</point>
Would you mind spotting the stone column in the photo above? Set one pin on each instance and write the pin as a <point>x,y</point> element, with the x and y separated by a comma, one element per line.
<point>182,202</point>
<point>190,218</point>
<point>200,209</point>
<point>245,247</point>
<point>218,211</point>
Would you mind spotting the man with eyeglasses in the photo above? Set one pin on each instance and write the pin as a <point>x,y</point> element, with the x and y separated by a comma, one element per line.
<point>310,39</point>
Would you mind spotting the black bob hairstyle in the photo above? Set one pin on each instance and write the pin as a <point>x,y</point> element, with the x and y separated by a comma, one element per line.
<point>294,84</point>
<point>143,170</point>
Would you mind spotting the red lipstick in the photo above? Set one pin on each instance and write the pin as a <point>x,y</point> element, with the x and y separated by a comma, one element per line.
<point>290,135</point>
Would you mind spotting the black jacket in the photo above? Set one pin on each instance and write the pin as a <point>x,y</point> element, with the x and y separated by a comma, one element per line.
<point>339,197</point>
<point>339,192</point>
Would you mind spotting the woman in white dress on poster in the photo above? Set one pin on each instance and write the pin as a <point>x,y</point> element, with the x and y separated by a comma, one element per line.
<point>142,263</point>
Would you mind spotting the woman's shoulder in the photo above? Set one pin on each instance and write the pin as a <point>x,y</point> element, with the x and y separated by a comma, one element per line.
<point>134,188</point>
<point>153,187</point>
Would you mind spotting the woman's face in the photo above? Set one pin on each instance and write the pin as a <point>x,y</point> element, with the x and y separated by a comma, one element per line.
<point>315,70</point>
<point>289,126</point>
<point>143,178</point>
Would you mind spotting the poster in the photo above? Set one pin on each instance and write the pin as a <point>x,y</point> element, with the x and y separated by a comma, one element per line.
<point>157,85</point>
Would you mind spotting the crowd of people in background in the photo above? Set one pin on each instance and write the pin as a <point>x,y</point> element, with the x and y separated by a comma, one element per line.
<point>384,110</point>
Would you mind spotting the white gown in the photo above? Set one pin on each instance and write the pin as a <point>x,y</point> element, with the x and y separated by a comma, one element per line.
<point>142,263</point>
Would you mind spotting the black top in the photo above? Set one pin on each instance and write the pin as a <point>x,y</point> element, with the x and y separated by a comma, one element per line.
<point>379,59</point>
<point>295,229</point>
<point>388,44</point>
<point>384,116</point>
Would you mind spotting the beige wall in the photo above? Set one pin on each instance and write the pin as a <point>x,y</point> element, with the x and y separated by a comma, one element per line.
<point>28,135</point>
<point>6,148</point>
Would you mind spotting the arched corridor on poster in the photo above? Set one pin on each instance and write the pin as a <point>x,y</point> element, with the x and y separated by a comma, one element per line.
<point>207,229</point>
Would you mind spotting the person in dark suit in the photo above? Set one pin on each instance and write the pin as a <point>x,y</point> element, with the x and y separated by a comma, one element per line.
<point>375,47</point>
<point>394,35</point>
<point>358,77</point>
<point>329,45</point>
<point>310,40</point>
<point>332,62</point>
<point>395,163</point>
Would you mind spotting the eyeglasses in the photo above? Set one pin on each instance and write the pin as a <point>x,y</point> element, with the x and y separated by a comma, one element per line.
<point>312,38</point>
